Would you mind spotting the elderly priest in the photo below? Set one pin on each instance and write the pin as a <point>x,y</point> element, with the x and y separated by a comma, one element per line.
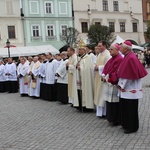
<point>130,73</point>
<point>85,79</point>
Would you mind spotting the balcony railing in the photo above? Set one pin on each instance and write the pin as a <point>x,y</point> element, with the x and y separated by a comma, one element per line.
<point>62,37</point>
<point>36,38</point>
<point>51,37</point>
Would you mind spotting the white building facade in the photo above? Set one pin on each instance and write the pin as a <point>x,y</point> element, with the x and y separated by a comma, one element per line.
<point>10,23</point>
<point>124,17</point>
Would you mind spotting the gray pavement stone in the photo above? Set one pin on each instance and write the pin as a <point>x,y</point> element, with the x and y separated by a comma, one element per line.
<point>27,124</point>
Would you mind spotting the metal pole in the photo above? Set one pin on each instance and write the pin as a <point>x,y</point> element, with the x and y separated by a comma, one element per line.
<point>8,52</point>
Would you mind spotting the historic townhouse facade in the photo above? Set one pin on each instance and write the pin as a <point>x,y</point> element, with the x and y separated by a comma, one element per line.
<point>10,23</point>
<point>123,16</point>
<point>146,15</point>
<point>45,21</point>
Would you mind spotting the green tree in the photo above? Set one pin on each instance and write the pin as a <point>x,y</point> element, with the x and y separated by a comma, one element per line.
<point>70,36</point>
<point>98,33</point>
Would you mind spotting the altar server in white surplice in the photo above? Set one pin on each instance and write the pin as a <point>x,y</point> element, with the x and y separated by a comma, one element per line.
<point>2,77</point>
<point>50,71</point>
<point>62,80</point>
<point>35,80</point>
<point>22,75</point>
<point>11,76</point>
<point>42,75</point>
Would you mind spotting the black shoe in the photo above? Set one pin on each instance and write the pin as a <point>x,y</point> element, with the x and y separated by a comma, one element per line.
<point>35,97</point>
<point>116,124</point>
<point>24,95</point>
<point>14,91</point>
<point>102,117</point>
<point>127,131</point>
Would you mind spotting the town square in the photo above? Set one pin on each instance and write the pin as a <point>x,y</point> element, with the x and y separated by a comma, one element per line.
<point>74,75</point>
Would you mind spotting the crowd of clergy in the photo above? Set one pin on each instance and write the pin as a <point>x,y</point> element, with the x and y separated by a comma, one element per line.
<point>107,82</point>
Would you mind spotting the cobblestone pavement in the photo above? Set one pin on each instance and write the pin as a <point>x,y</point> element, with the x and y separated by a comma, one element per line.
<point>27,124</point>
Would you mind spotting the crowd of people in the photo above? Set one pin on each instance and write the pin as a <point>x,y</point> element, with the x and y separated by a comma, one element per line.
<point>144,57</point>
<point>108,82</point>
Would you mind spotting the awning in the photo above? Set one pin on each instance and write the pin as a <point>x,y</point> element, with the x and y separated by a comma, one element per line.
<point>10,46</point>
<point>28,51</point>
<point>120,40</point>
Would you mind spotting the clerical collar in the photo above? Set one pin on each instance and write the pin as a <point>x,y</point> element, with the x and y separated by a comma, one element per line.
<point>50,60</point>
<point>127,53</point>
<point>65,59</point>
<point>113,57</point>
<point>89,52</point>
<point>83,55</point>
<point>44,61</point>
<point>104,51</point>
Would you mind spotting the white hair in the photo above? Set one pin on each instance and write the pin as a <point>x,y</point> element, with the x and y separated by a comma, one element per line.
<point>126,46</point>
<point>64,53</point>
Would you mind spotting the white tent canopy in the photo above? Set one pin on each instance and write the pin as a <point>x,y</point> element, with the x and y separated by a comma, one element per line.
<point>28,51</point>
<point>120,40</point>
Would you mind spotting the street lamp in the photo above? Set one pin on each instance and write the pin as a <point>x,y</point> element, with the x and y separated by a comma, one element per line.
<point>89,10</point>
<point>131,13</point>
<point>8,46</point>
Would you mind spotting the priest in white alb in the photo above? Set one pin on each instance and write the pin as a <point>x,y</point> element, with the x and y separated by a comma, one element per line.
<point>72,77</point>
<point>35,80</point>
<point>85,79</point>
<point>89,51</point>
<point>22,75</point>
<point>102,59</point>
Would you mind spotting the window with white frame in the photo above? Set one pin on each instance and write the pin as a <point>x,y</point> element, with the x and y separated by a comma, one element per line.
<point>48,8</point>
<point>11,32</point>
<point>35,31</point>
<point>34,7</point>
<point>116,5</point>
<point>112,26</point>
<point>105,5</point>
<point>64,30</point>
<point>98,23</point>
<point>62,7</point>
<point>134,26</point>
<point>122,27</point>
<point>50,30</point>
<point>84,27</point>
